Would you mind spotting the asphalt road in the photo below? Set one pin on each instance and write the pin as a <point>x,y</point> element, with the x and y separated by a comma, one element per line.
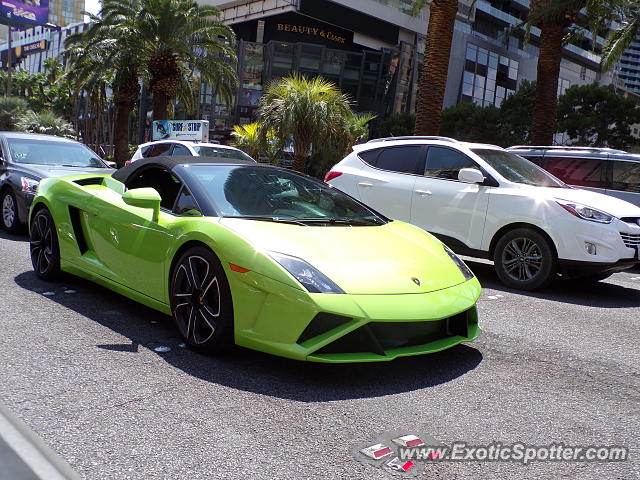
<point>78,366</point>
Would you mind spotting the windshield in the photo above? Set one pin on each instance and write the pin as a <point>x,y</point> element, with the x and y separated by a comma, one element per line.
<point>222,153</point>
<point>51,152</point>
<point>271,194</point>
<point>517,169</point>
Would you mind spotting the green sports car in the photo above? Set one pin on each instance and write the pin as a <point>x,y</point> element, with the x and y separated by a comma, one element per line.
<point>258,256</point>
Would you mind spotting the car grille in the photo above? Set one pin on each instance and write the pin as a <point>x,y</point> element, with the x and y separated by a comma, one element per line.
<point>631,240</point>
<point>378,337</point>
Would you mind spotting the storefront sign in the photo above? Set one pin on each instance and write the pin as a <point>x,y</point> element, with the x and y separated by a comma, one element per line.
<point>192,130</point>
<point>311,31</point>
<point>33,47</point>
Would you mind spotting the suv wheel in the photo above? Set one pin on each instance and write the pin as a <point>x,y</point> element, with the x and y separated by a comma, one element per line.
<point>524,259</point>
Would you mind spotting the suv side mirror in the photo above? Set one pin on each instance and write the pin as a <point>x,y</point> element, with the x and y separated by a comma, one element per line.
<point>470,175</point>
<point>144,198</point>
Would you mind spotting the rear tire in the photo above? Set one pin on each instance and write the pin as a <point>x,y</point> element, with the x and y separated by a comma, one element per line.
<point>525,260</point>
<point>9,211</point>
<point>43,245</point>
<point>201,301</point>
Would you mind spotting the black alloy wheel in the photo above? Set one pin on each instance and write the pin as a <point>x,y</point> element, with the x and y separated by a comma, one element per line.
<point>43,245</point>
<point>201,301</point>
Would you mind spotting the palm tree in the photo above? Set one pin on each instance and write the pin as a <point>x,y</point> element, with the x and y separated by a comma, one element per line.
<point>554,17</point>
<point>105,53</point>
<point>435,68</point>
<point>45,122</point>
<point>254,141</point>
<point>172,39</point>
<point>621,37</point>
<point>11,110</point>
<point>248,139</point>
<point>357,128</point>
<point>309,111</point>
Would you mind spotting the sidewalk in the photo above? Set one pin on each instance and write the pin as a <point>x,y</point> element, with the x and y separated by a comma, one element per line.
<point>23,456</point>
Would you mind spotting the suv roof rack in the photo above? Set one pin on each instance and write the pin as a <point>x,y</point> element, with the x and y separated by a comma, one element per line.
<point>565,147</point>
<point>413,137</point>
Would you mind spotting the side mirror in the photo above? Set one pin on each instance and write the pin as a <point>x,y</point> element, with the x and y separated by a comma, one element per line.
<point>470,175</point>
<point>144,198</point>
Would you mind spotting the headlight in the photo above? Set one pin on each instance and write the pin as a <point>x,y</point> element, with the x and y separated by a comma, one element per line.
<point>29,184</point>
<point>466,271</point>
<point>584,212</point>
<point>310,277</point>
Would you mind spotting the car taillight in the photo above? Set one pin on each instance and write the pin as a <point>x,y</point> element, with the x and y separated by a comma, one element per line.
<point>331,175</point>
<point>128,162</point>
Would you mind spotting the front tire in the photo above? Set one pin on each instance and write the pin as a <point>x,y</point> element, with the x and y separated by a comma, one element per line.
<point>525,260</point>
<point>201,301</point>
<point>43,245</point>
<point>9,207</point>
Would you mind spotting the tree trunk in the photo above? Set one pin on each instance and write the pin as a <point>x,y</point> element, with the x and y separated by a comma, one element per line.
<point>544,108</point>
<point>121,134</point>
<point>300,156</point>
<point>433,78</point>
<point>160,105</point>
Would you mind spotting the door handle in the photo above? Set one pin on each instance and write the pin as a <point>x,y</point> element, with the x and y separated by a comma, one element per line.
<point>365,184</point>
<point>423,193</point>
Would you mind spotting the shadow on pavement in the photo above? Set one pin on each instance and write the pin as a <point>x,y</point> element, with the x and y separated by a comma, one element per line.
<point>602,294</point>
<point>21,236</point>
<point>248,370</point>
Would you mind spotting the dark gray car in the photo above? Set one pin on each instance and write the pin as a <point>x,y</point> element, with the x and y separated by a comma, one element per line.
<point>27,158</point>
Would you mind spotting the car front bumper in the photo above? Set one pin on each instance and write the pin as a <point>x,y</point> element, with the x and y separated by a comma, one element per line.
<point>341,328</point>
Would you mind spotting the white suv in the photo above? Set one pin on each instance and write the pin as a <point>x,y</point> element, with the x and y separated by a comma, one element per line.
<point>182,148</point>
<point>484,201</point>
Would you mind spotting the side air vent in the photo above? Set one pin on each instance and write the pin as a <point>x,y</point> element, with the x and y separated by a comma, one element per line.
<point>322,323</point>
<point>89,181</point>
<point>74,214</point>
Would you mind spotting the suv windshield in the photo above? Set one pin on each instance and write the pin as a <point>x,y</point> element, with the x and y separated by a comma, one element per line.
<point>222,153</point>
<point>517,169</point>
<point>271,194</point>
<point>51,152</point>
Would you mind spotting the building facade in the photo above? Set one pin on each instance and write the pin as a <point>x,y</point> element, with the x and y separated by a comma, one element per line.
<point>66,12</point>
<point>629,67</point>
<point>373,49</point>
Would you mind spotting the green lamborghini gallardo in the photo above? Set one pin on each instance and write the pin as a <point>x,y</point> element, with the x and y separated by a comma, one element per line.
<point>257,256</point>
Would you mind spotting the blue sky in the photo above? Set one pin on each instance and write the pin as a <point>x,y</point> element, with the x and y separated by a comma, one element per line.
<point>92,6</point>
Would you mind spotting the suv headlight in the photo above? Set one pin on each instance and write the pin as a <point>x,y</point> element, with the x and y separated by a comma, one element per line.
<point>466,271</point>
<point>584,212</point>
<point>29,184</point>
<point>310,277</point>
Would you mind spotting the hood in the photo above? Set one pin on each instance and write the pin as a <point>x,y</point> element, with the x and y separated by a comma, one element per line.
<point>45,171</point>
<point>361,260</point>
<point>606,203</point>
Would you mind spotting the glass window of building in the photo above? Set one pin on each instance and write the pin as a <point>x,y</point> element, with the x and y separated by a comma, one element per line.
<point>488,77</point>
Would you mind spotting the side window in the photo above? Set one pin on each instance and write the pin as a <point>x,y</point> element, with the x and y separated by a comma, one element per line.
<point>157,150</point>
<point>186,204</point>
<point>626,176</point>
<point>446,163</point>
<point>400,159</point>
<point>180,151</point>
<point>538,160</point>
<point>582,172</point>
<point>370,156</point>
<point>164,182</point>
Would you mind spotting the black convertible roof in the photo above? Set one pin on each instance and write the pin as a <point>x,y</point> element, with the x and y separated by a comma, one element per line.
<point>170,163</point>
